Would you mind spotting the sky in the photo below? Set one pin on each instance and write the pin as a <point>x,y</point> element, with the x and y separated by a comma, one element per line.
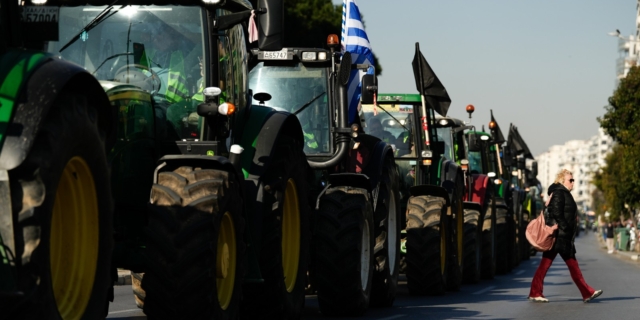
<point>546,66</point>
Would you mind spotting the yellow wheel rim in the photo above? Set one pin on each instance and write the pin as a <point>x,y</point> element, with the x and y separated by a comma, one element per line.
<point>460,227</point>
<point>74,239</point>
<point>226,261</point>
<point>290,235</point>
<point>443,245</point>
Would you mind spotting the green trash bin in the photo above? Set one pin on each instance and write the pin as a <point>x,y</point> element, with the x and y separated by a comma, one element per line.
<point>621,239</point>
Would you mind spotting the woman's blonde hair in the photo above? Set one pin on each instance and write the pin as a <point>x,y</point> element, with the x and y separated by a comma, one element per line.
<point>561,174</point>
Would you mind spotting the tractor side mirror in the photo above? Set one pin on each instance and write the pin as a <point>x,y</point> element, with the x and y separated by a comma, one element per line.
<point>522,163</point>
<point>474,142</point>
<point>271,25</point>
<point>369,88</point>
<point>507,157</point>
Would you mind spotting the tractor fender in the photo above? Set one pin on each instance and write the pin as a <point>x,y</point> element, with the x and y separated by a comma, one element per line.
<point>451,179</point>
<point>373,170</point>
<point>35,98</point>
<point>258,144</point>
<point>429,190</point>
<point>479,188</point>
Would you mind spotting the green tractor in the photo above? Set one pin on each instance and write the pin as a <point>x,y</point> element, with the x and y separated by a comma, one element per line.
<point>431,192</point>
<point>479,218</point>
<point>134,143</point>
<point>354,186</point>
<point>524,170</point>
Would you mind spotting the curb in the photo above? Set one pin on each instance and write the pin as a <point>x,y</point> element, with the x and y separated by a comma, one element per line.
<point>124,278</point>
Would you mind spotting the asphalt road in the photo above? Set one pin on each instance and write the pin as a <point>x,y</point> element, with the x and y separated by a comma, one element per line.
<point>504,297</point>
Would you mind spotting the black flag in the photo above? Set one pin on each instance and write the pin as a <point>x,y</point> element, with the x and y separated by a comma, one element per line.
<point>496,133</point>
<point>517,144</point>
<point>428,84</point>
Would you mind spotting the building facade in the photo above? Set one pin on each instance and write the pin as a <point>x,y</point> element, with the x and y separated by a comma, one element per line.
<point>583,158</point>
<point>629,50</point>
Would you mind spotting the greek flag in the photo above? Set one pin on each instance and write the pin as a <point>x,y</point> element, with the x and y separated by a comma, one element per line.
<point>354,40</point>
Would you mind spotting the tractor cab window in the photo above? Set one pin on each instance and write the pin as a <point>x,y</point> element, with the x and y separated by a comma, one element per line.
<point>391,123</point>
<point>297,89</point>
<point>157,49</point>
<point>444,134</point>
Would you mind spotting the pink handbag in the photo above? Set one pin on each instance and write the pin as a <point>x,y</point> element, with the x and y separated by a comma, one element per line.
<point>540,236</point>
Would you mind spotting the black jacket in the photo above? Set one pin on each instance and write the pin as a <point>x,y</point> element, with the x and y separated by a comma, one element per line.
<point>563,210</point>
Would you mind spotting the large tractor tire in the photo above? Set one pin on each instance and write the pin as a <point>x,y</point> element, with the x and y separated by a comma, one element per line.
<point>504,250</point>
<point>472,241</point>
<point>489,234</point>
<point>136,286</point>
<point>195,248</point>
<point>456,254</point>
<point>427,245</point>
<point>387,246</point>
<point>62,206</point>
<point>525,246</point>
<point>284,253</point>
<point>344,244</point>
<point>514,242</point>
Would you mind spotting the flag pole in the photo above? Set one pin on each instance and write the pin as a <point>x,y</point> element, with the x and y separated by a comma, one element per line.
<point>425,125</point>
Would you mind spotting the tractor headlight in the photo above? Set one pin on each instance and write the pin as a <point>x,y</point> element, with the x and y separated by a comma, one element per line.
<point>322,56</point>
<point>309,56</point>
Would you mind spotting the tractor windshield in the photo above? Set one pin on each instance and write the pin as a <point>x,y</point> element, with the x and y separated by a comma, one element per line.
<point>299,89</point>
<point>156,50</point>
<point>392,123</point>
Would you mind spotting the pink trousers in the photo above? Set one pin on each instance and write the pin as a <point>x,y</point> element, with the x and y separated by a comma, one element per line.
<point>574,269</point>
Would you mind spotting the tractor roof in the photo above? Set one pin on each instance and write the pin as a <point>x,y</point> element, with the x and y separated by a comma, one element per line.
<point>234,5</point>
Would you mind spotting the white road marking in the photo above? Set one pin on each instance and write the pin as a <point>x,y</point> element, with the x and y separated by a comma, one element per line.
<point>520,272</point>
<point>123,311</point>
<point>394,317</point>
<point>533,263</point>
<point>485,290</point>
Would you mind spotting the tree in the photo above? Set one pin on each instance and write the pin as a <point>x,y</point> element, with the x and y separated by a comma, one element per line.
<point>619,179</point>
<point>307,23</point>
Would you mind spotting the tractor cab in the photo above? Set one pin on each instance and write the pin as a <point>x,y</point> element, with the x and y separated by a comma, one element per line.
<point>156,52</point>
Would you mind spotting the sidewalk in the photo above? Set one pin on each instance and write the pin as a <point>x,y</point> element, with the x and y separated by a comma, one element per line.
<point>635,256</point>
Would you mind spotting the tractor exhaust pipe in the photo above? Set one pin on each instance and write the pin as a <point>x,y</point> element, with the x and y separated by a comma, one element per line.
<point>342,137</point>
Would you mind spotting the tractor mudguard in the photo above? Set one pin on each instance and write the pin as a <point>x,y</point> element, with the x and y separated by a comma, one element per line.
<point>260,133</point>
<point>429,190</point>
<point>355,180</point>
<point>373,170</point>
<point>47,78</point>
<point>479,188</point>
<point>449,175</point>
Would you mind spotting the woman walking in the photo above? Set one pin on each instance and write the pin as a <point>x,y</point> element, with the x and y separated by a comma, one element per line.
<point>562,210</point>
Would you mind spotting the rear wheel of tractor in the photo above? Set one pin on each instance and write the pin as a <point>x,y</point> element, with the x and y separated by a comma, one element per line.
<point>504,250</point>
<point>387,246</point>
<point>427,245</point>
<point>62,205</point>
<point>472,241</point>
<point>344,252</point>
<point>195,245</point>
<point>525,251</point>
<point>138,292</point>
<point>284,253</point>
<point>514,242</point>
<point>456,254</point>
<point>488,264</point>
